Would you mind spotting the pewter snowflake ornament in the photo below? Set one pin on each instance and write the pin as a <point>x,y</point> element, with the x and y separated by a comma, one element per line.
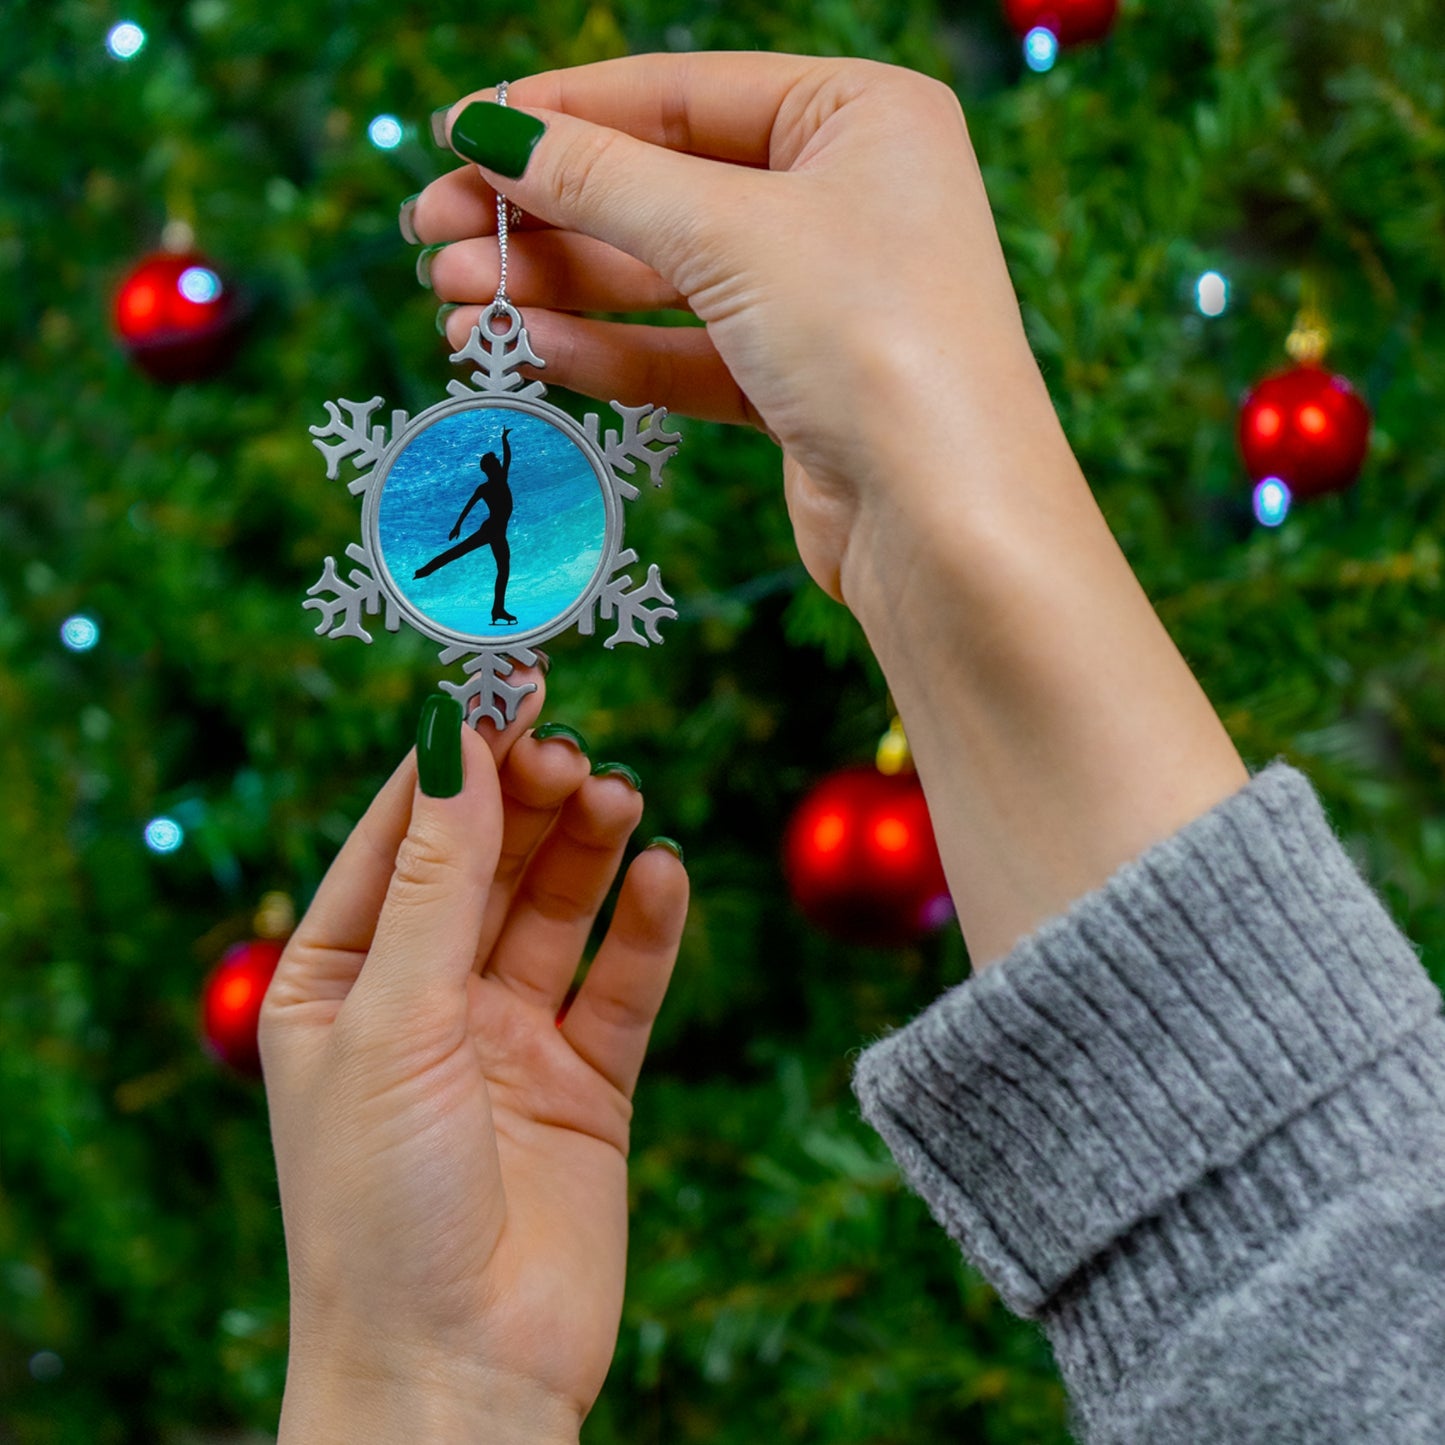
<point>536,545</point>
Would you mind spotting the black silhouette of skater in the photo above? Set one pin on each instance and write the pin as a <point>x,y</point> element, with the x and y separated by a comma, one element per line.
<point>492,533</point>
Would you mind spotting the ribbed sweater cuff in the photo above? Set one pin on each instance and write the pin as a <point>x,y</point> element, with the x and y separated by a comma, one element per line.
<point>1221,984</point>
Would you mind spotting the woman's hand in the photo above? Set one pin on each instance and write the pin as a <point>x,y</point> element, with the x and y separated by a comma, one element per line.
<point>452,1159</point>
<point>825,218</point>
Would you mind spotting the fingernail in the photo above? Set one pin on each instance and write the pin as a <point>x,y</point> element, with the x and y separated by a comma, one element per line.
<point>543,661</point>
<point>617,770</point>
<point>439,125</point>
<point>405,222</point>
<point>496,136</point>
<point>671,844</point>
<point>561,730</point>
<point>423,263</point>
<point>443,312</point>
<point>439,747</point>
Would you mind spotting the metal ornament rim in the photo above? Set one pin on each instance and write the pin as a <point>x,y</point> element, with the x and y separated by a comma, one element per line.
<point>418,620</point>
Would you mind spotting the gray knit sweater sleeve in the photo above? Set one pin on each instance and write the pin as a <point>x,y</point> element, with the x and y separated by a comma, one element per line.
<point>1195,1126</point>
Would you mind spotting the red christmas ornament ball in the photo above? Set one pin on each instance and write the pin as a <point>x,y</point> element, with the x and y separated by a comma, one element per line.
<point>861,861</point>
<point>1307,427</point>
<point>176,317</point>
<point>231,1003</point>
<point>1073,22</point>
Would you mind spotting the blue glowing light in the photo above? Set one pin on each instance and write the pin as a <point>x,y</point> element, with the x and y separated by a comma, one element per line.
<point>164,835</point>
<point>79,633</point>
<point>385,132</point>
<point>199,284</point>
<point>1041,48</point>
<point>1271,502</point>
<point>1211,293</point>
<point>126,40</point>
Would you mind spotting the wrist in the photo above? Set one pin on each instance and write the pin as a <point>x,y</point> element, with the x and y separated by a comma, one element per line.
<point>335,1401</point>
<point>1057,730</point>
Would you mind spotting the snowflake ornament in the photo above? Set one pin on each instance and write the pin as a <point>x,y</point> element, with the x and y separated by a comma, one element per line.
<point>536,545</point>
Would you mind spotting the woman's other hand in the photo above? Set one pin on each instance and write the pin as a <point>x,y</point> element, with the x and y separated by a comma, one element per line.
<point>452,1158</point>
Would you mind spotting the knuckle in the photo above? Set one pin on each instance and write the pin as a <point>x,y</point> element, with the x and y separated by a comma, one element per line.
<point>578,171</point>
<point>424,863</point>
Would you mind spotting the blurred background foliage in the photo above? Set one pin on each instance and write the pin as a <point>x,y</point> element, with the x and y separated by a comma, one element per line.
<point>783,1285</point>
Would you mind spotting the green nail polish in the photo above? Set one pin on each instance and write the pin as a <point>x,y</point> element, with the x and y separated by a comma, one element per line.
<point>496,136</point>
<point>617,770</point>
<point>439,746</point>
<point>439,125</point>
<point>671,844</point>
<point>423,263</point>
<point>561,730</point>
<point>443,312</point>
<point>404,220</point>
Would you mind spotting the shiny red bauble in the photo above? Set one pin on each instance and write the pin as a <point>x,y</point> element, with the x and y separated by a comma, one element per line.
<point>1307,427</point>
<point>861,861</point>
<point>176,317</point>
<point>231,1003</point>
<point>1073,22</point>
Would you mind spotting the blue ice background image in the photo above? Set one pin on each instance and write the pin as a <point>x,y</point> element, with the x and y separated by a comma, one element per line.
<point>557,529</point>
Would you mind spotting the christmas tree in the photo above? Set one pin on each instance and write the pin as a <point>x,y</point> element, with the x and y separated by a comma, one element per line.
<point>178,744</point>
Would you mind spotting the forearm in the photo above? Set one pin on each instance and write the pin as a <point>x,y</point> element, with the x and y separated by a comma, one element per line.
<point>1057,730</point>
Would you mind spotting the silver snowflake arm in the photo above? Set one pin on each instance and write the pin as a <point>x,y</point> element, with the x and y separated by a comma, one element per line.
<point>630,606</point>
<point>342,612</point>
<point>643,438</point>
<point>485,693</point>
<point>498,355</point>
<point>359,440</point>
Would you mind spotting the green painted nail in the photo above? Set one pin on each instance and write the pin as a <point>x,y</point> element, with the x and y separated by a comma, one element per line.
<point>617,770</point>
<point>404,219</point>
<point>496,136</point>
<point>439,746</point>
<point>439,125</point>
<point>443,312</point>
<point>423,263</point>
<point>561,730</point>
<point>671,844</point>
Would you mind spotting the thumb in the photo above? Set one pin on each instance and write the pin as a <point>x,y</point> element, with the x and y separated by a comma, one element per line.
<point>656,204</point>
<point>422,952</point>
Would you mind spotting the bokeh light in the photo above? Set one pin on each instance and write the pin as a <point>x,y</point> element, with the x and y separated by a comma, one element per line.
<point>79,633</point>
<point>1041,48</point>
<point>199,284</point>
<point>1212,293</point>
<point>1271,501</point>
<point>385,132</point>
<point>164,835</point>
<point>126,40</point>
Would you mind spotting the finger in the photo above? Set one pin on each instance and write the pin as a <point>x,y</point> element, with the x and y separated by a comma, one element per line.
<point>564,887</point>
<point>556,269</point>
<point>459,204</point>
<point>673,366</point>
<point>611,1019</point>
<point>650,202</point>
<point>724,105</point>
<point>413,983</point>
<point>324,953</point>
<point>539,776</point>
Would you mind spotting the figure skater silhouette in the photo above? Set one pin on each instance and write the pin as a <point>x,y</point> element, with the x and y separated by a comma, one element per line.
<point>493,532</point>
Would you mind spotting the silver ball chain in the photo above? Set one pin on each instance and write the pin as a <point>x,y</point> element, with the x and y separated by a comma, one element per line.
<point>501,300</point>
